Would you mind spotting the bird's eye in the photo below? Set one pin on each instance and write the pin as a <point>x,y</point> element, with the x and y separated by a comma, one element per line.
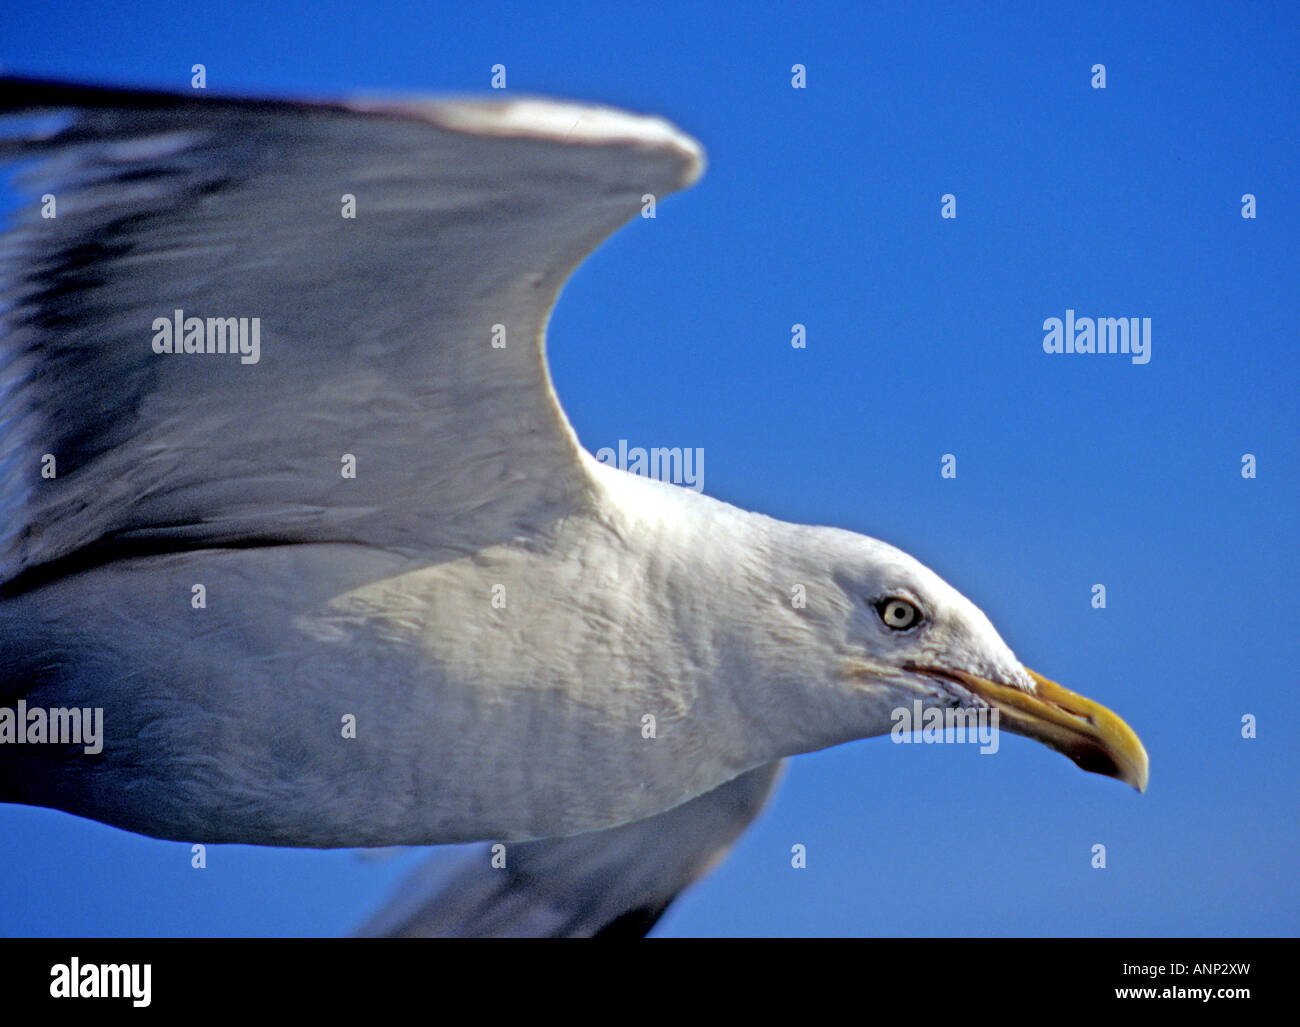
<point>898,614</point>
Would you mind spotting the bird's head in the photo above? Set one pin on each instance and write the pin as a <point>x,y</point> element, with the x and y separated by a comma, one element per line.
<point>899,634</point>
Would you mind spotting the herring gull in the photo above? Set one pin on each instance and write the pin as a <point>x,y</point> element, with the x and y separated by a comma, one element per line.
<point>337,571</point>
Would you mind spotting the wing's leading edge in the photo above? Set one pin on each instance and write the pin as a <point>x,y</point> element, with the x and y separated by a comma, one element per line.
<point>409,337</point>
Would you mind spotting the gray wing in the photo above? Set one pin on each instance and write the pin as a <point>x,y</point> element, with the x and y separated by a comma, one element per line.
<point>605,883</point>
<point>376,332</point>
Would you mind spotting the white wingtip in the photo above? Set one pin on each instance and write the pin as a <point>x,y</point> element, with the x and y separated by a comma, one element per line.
<point>554,120</point>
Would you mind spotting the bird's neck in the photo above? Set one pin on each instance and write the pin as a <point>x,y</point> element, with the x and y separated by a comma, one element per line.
<point>721,628</point>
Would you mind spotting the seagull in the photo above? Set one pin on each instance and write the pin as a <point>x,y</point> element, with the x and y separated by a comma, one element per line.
<point>287,497</point>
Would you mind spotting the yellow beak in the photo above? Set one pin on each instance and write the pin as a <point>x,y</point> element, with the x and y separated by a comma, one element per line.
<point>1091,735</point>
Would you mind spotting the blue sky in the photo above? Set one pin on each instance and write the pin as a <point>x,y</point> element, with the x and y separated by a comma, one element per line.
<point>822,206</point>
